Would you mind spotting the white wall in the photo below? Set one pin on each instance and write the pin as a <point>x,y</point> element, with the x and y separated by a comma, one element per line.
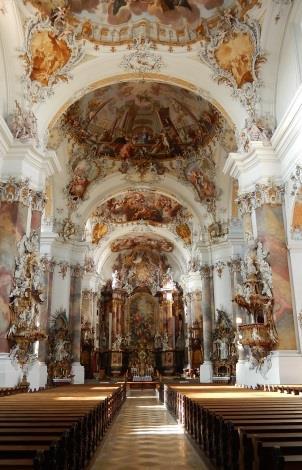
<point>289,73</point>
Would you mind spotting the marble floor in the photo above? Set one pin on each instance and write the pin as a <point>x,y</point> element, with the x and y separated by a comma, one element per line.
<point>145,436</point>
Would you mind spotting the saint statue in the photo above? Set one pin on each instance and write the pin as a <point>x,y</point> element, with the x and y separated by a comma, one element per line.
<point>116,283</point>
<point>165,341</point>
<point>157,341</point>
<point>224,349</point>
<point>61,352</point>
<point>117,343</point>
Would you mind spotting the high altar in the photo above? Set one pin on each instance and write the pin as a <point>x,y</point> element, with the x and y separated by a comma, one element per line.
<point>141,313</point>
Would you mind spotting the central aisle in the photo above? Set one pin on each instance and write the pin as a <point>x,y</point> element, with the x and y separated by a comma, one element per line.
<point>144,436</point>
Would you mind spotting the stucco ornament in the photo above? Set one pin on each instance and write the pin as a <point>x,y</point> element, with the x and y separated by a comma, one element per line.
<point>272,194</point>
<point>296,180</point>
<point>255,130</point>
<point>219,267</point>
<point>19,190</point>
<point>66,229</point>
<point>89,264</point>
<point>142,59</point>
<point>218,231</point>
<point>232,50</point>
<point>50,52</point>
<point>23,124</point>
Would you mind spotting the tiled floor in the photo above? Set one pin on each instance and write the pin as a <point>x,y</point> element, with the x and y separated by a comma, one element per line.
<point>145,436</point>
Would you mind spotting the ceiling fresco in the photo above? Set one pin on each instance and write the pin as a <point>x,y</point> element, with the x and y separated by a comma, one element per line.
<point>127,120</point>
<point>141,241</point>
<point>141,127</point>
<point>135,206</point>
<point>163,21</point>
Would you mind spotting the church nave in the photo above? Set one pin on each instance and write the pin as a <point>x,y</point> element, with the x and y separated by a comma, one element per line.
<point>143,436</point>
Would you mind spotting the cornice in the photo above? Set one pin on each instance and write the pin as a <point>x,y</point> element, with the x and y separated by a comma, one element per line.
<point>24,160</point>
<point>258,166</point>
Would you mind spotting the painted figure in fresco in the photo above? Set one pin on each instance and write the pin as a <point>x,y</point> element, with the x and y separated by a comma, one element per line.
<point>183,230</point>
<point>143,242</point>
<point>204,187</point>
<point>126,150</point>
<point>162,145</point>
<point>78,185</point>
<point>235,55</point>
<point>49,54</point>
<point>98,232</point>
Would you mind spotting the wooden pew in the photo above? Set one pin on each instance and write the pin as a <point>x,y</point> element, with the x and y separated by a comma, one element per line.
<point>57,429</point>
<point>220,425</point>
